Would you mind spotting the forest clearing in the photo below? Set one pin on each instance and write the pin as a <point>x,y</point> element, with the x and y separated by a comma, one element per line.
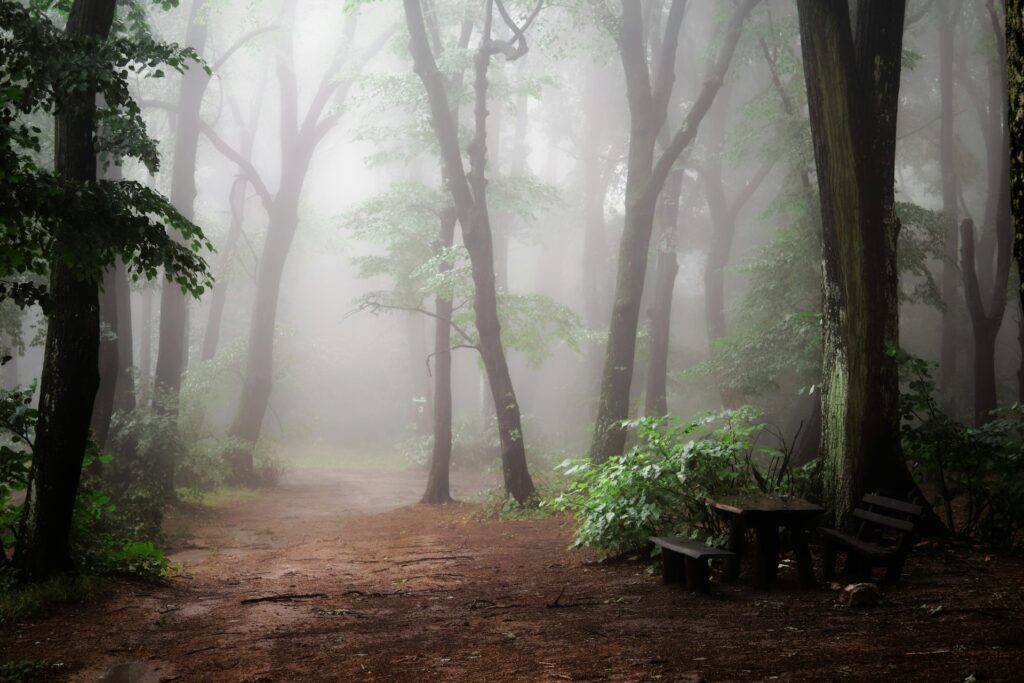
<point>511,340</point>
<point>445,594</point>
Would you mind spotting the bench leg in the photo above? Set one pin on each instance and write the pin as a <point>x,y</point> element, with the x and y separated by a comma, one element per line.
<point>767,555</point>
<point>828,562</point>
<point>894,570</point>
<point>673,569</point>
<point>698,577</point>
<point>804,563</point>
<point>736,536</point>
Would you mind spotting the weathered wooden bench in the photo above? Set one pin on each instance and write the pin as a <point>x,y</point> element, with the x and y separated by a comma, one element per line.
<point>685,560</point>
<point>882,537</point>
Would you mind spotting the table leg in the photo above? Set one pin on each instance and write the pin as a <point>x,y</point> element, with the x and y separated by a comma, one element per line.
<point>767,554</point>
<point>798,535</point>
<point>736,535</point>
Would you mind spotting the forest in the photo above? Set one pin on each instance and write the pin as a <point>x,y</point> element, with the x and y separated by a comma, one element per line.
<point>511,340</point>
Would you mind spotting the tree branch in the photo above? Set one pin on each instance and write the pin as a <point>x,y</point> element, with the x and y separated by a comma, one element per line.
<point>685,135</point>
<point>972,293</point>
<point>243,164</point>
<point>238,44</point>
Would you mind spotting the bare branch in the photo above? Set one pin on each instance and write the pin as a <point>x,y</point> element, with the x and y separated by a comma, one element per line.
<point>238,44</point>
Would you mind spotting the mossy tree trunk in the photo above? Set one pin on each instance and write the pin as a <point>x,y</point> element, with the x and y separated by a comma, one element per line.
<point>853,77</point>
<point>1015,63</point>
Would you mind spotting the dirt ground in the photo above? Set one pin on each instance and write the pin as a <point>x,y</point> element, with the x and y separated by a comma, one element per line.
<point>366,586</point>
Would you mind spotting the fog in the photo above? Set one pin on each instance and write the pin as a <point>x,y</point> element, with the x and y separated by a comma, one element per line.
<point>351,382</point>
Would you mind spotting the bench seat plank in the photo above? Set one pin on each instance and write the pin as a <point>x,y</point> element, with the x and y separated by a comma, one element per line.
<point>884,520</point>
<point>690,548</point>
<point>864,547</point>
<point>892,504</point>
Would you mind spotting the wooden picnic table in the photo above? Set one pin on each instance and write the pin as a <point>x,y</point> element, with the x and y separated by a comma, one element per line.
<point>765,515</point>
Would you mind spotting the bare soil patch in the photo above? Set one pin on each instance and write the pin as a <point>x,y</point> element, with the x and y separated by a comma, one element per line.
<point>338,576</point>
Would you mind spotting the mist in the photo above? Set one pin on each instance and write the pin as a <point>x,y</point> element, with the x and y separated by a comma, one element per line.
<point>358,268</point>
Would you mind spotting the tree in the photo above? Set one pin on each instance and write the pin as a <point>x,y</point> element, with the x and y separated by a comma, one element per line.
<point>724,213</point>
<point>300,137</point>
<point>853,77</point>
<point>72,227</point>
<point>1015,60</point>
<point>469,195</point>
<point>173,343</point>
<point>996,241</point>
<point>646,176</point>
<point>948,16</point>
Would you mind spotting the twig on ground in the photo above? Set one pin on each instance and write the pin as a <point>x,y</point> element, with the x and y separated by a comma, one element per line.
<point>283,597</point>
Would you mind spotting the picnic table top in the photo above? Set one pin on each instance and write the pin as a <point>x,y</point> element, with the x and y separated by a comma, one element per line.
<point>764,504</point>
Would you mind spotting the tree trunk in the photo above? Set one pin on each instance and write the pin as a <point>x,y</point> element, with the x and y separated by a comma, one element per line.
<point>1015,66</point>
<point>950,276</point>
<point>984,323</point>
<point>219,294</point>
<point>660,313</point>
<point>173,347</point>
<point>852,91</point>
<point>103,406</point>
<point>471,208</point>
<point>645,178</point>
<point>419,374</point>
<point>438,486</point>
<point>124,390</point>
<point>69,376</point>
<point>259,370</point>
<point>595,238</point>
<point>146,343</point>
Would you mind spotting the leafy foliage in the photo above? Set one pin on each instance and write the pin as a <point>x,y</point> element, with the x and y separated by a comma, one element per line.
<point>43,71</point>
<point>978,472</point>
<point>660,485</point>
<point>17,430</point>
<point>404,220</point>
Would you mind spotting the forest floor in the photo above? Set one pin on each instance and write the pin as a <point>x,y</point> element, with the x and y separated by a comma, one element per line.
<point>335,576</point>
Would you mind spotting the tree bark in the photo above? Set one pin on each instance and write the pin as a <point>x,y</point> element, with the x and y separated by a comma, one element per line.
<point>984,323</point>
<point>438,482</point>
<point>284,221</point>
<point>471,208</point>
<point>124,390</point>
<point>1015,66</point>
<point>646,177</point>
<point>103,405</point>
<point>219,293</point>
<point>980,274</point>
<point>852,90</point>
<point>660,314</point>
<point>595,238</point>
<point>950,276</point>
<point>146,343</point>
<point>69,376</point>
<point>172,349</point>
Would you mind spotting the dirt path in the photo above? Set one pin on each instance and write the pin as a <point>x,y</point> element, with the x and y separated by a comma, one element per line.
<point>363,586</point>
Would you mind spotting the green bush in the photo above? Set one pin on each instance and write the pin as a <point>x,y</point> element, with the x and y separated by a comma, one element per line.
<point>978,472</point>
<point>660,485</point>
<point>17,429</point>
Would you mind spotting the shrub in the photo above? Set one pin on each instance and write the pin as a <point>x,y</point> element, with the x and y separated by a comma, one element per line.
<point>978,472</point>
<point>660,485</point>
<point>17,428</point>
